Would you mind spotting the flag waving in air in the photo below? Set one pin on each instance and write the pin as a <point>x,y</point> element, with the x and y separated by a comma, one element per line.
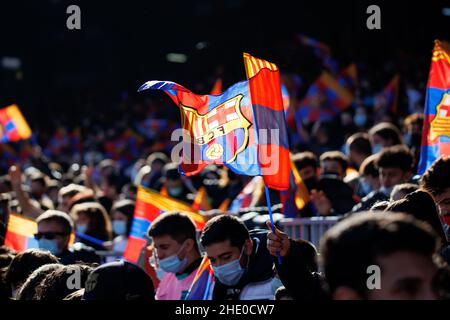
<point>149,205</point>
<point>436,124</point>
<point>243,128</point>
<point>13,126</point>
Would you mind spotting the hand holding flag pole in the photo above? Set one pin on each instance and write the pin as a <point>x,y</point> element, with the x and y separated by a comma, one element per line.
<point>269,206</point>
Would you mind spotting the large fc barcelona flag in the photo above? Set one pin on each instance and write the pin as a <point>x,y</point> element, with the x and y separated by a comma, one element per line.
<point>243,128</point>
<point>436,125</point>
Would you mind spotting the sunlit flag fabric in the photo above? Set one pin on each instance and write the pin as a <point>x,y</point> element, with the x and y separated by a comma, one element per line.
<point>13,126</point>
<point>20,233</point>
<point>296,197</point>
<point>324,99</point>
<point>149,205</point>
<point>202,283</point>
<point>321,51</point>
<point>226,128</point>
<point>436,125</point>
<point>387,100</point>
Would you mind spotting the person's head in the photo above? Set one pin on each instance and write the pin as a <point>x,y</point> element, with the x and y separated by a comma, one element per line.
<point>55,285</point>
<point>369,175</point>
<point>307,164</point>
<point>228,246</point>
<point>380,206</point>
<point>359,148</point>
<point>413,128</point>
<point>173,182</point>
<point>175,241</point>
<point>308,252</point>
<point>380,256</point>
<point>395,167</point>
<point>54,229</point>
<point>119,280</point>
<point>122,215</point>
<point>401,190</point>
<point>436,180</point>
<point>384,135</point>
<point>420,205</point>
<point>66,193</point>
<point>92,219</point>
<point>76,295</point>
<point>28,289</point>
<point>24,264</point>
<point>110,186</point>
<point>282,294</point>
<point>157,161</point>
<point>53,187</point>
<point>38,184</point>
<point>334,162</point>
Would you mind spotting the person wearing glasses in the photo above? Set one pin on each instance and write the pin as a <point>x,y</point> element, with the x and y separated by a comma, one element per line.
<point>54,232</point>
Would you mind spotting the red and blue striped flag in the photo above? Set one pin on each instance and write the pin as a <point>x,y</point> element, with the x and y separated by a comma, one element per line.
<point>20,233</point>
<point>324,99</point>
<point>203,282</point>
<point>13,126</point>
<point>436,125</point>
<point>236,127</point>
<point>149,205</point>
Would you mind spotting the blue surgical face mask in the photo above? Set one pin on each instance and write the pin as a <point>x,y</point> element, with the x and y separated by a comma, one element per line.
<point>173,264</point>
<point>160,273</point>
<point>81,228</point>
<point>50,245</point>
<point>175,191</point>
<point>119,227</point>
<point>230,274</point>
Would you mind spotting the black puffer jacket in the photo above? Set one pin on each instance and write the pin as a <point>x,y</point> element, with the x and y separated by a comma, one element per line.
<point>260,269</point>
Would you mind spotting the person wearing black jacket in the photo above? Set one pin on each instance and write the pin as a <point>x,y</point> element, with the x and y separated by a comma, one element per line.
<point>242,265</point>
<point>366,256</point>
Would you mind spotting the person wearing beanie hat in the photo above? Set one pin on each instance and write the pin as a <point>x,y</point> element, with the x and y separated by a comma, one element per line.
<point>119,280</point>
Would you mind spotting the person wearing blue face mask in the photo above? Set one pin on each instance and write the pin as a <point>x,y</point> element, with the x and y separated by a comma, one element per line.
<point>177,254</point>
<point>53,234</point>
<point>121,216</point>
<point>172,185</point>
<point>242,265</point>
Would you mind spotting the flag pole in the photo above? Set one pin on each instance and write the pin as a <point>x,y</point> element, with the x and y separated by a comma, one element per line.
<point>269,207</point>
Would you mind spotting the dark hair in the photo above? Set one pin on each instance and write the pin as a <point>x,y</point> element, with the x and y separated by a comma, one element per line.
<point>420,205</point>
<point>308,253</point>
<point>99,222</point>
<point>357,242</point>
<point>368,167</point>
<point>387,131</point>
<point>335,156</point>
<point>415,118</point>
<point>6,256</point>
<point>406,188</point>
<point>360,142</point>
<point>125,207</point>
<point>58,216</point>
<point>282,292</point>
<point>222,228</point>
<point>28,289</point>
<point>396,157</point>
<point>380,205</point>
<point>25,263</point>
<point>76,295</point>
<point>174,224</point>
<point>54,285</point>
<point>436,180</point>
<point>305,159</point>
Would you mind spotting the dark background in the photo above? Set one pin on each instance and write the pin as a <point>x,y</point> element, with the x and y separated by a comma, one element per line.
<point>121,44</point>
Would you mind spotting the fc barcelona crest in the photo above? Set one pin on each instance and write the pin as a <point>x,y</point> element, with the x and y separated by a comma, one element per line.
<point>223,120</point>
<point>440,126</point>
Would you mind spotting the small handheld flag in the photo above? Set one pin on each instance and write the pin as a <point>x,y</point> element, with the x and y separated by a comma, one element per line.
<point>13,126</point>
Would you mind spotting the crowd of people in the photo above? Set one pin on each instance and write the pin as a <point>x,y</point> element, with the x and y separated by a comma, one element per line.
<point>388,218</point>
<point>79,184</point>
